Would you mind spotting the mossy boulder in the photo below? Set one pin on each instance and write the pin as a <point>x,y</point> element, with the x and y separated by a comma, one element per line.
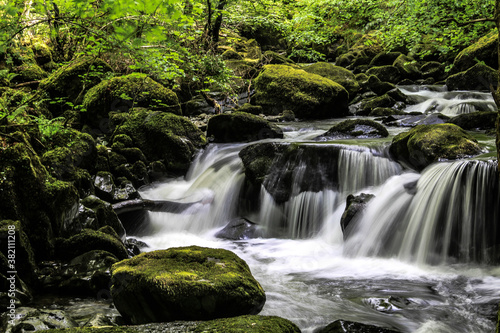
<point>384,112</point>
<point>42,53</point>
<point>274,58</point>
<point>355,128</point>
<point>426,144</point>
<point>249,108</point>
<point>241,127</point>
<point>242,68</point>
<point>231,55</point>
<point>28,72</point>
<point>368,105</point>
<point>21,175</point>
<point>21,252</point>
<point>478,77</point>
<point>352,59</point>
<point>475,120</point>
<point>258,159</point>
<point>281,87</point>
<point>120,94</point>
<point>249,324</point>
<point>161,136</point>
<point>187,283</point>
<point>384,58</point>
<point>70,83</point>
<point>104,215</point>
<point>88,240</point>
<point>337,74</point>
<point>387,73</point>
<point>408,67</point>
<point>484,50</point>
<point>378,87</point>
<point>433,69</point>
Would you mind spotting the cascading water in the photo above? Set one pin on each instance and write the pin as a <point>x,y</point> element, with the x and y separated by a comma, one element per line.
<point>431,99</point>
<point>307,276</point>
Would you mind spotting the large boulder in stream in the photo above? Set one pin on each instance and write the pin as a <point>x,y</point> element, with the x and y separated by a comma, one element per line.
<point>355,128</point>
<point>479,77</point>
<point>281,87</point>
<point>426,144</point>
<point>337,74</point>
<point>187,283</point>
<point>484,50</point>
<point>241,127</point>
<point>354,207</point>
<point>122,93</point>
<point>475,120</point>
<point>161,136</point>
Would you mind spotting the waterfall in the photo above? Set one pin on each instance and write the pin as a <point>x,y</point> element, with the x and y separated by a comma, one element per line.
<point>449,217</point>
<point>317,189</point>
<point>430,99</point>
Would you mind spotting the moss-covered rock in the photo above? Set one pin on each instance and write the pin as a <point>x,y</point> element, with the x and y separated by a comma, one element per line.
<point>384,112</point>
<point>104,215</point>
<point>384,58</point>
<point>273,58</point>
<point>125,92</point>
<point>352,59</point>
<point>249,108</point>
<point>28,73</point>
<point>241,127</point>
<point>433,69</point>
<point>89,240</point>
<point>478,77</point>
<point>70,83</point>
<point>408,67</point>
<point>337,74</point>
<point>17,249</point>
<point>42,53</point>
<point>190,283</point>
<point>475,120</point>
<point>378,87</point>
<point>243,68</point>
<point>258,159</point>
<point>426,144</point>
<point>162,136</point>
<point>249,324</point>
<point>370,104</point>
<point>355,128</point>
<point>484,50</point>
<point>387,73</point>
<point>281,87</point>
<point>231,55</point>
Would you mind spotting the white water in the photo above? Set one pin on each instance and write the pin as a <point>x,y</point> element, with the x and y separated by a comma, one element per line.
<point>310,281</point>
<point>431,99</point>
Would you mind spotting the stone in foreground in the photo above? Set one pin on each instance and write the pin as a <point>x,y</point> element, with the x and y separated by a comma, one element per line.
<point>186,283</point>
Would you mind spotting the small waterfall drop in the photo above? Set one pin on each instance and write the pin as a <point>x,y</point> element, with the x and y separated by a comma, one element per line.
<point>318,189</point>
<point>446,218</point>
<point>431,99</point>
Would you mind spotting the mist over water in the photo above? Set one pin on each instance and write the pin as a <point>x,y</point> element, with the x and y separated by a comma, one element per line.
<point>420,258</point>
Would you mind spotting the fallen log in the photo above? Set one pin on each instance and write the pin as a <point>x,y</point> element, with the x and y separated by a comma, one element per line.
<point>152,205</point>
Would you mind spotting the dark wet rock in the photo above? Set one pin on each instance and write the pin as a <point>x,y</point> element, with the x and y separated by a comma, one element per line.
<point>337,74</point>
<point>238,229</point>
<point>258,159</point>
<point>343,326</point>
<point>104,186</point>
<point>281,87</point>
<point>187,283</point>
<point>197,106</point>
<point>384,58</point>
<point>366,106</point>
<point>31,319</point>
<point>475,120</point>
<point>88,240</point>
<point>355,206</point>
<point>125,191</point>
<point>478,77</point>
<point>385,73</point>
<point>122,93</point>
<point>426,144</point>
<point>433,69</point>
<point>161,136</point>
<point>241,127</point>
<point>85,275</point>
<point>484,50</point>
<point>103,216</point>
<point>409,120</point>
<point>355,128</point>
<point>377,86</point>
<point>135,246</point>
<point>287,116</point>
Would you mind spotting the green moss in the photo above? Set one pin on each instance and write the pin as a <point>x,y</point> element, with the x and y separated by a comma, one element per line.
<point>281,87</point>
<point>231,55</point>
<point>385,73</point>
<point>116,329</point>
<point>28,72</point>
<point>70,82</point>
<point>261,324</point>
<point>42,52</point>
<point>258,159</point>
<point>241,127</point>
<point>475,120</point>
<point>382,112</point>
<point>407,67</point>
<point>426,144</point>
<point>163,136</point>
<point>337,74</point>
<point>478,77</point>
<point>249,108</point>
<point>89,240</point>
<point>124,92</point>
<point>274,58</point>
<point>189,283</point>
<point>367,106</point>
<point>242,68</point>
<point>484,50</point>
<point>106,216</point>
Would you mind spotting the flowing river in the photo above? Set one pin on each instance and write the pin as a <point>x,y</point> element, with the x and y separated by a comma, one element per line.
<point>418,260</point>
